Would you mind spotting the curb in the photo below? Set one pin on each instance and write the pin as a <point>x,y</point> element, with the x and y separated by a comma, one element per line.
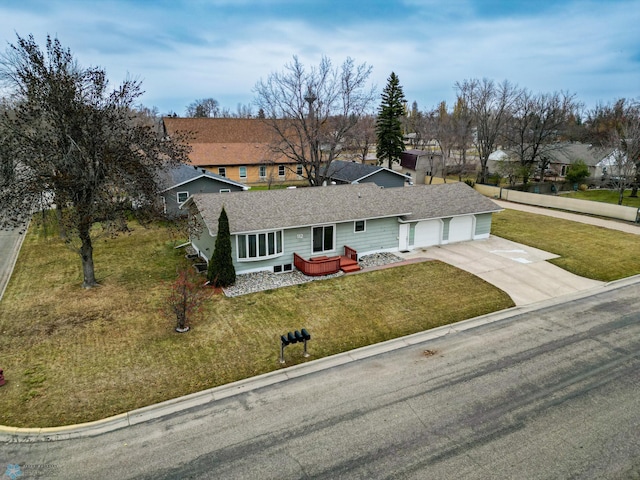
<point>177,405</point>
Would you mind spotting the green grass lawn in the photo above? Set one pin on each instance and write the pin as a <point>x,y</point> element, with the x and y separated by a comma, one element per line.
<point>72,355</point>
<point>586,250</point>
<point>605,196</point>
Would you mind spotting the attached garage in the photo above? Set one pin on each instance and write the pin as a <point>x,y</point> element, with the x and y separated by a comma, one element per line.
<point>461,229</point>
<point>428,233</point>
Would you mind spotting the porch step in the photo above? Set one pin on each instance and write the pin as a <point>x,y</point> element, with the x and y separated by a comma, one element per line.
<point>350,268</point>
<point>347,265</point>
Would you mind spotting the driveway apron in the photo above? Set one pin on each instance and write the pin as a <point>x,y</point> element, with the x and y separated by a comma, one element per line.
<point>521,271</point>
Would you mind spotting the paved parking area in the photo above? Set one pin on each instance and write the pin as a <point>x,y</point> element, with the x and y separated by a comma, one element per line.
<point>521,271</point>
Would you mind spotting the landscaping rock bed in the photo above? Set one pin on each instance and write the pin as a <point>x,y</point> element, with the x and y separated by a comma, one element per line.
<point>259,281</point>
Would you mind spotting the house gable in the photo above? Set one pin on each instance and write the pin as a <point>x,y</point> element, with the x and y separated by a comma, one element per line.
<point>353,172</point>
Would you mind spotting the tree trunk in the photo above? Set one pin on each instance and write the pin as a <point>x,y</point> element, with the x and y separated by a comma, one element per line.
<point>620,195</point>
<point>86,255</point>
<point>483,171</point>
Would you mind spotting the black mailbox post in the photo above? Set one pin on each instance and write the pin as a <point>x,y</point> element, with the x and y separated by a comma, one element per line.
<point>294,337</point>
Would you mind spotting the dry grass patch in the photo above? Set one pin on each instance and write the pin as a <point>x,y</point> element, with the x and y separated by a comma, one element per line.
<point>586,250</point>
<point>72,355</point>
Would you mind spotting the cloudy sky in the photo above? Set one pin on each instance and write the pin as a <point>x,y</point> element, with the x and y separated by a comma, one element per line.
<point>188,49</point>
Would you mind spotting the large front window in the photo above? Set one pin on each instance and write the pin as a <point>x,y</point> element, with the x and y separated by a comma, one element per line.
<point>256,246</point>
<point>323,238</point>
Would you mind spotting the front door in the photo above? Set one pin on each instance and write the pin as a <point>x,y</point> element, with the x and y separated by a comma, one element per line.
<point>403,237</point>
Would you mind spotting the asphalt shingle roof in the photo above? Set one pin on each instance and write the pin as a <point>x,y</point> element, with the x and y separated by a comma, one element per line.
<point>352,171</point>
<point>226,141</point>
<point>184,173</point>
<point>281,209</point>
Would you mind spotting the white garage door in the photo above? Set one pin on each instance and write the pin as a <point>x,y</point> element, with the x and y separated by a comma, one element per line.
<point>461,229</point>
<point>427,233</point>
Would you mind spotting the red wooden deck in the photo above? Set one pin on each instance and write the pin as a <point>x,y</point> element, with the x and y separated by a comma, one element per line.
<point>323,265</point>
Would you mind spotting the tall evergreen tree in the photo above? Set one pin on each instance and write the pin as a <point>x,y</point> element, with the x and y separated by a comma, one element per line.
<point>389,124</point>
<point>221,272</point>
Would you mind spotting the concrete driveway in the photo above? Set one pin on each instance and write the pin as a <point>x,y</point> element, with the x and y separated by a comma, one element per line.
<point>521,271</point>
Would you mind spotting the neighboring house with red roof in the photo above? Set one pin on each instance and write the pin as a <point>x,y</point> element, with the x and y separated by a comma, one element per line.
<point>235,148</point>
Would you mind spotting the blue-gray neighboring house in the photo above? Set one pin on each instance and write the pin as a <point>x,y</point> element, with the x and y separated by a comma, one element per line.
<point>342,172</point>
<point>186,180</point>
<point>308,228</point>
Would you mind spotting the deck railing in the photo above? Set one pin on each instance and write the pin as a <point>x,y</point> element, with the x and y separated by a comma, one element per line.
<point>322,265</point>
<point>317,267</point>
<point>350,253</point>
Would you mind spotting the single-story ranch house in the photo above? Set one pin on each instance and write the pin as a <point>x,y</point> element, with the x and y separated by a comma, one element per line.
<point>275,230</point>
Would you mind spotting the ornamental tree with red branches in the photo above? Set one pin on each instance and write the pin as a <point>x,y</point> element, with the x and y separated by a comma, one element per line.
<point>185,298</point>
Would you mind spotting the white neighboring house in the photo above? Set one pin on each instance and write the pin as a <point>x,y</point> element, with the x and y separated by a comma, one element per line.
<point>615,164</point>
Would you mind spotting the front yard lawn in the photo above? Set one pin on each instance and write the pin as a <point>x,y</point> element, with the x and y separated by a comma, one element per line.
<point>70,355</point>
<point>605,196</point>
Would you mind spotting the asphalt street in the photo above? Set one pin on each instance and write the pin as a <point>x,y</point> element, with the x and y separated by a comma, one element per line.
<point>550,393</point>
<point>10,242</point>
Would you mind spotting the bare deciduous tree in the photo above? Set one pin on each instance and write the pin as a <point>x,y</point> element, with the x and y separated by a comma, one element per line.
<point>617,128</point>
<point>312,111</point>
<point>489,106</point>
<point>361,137</point>
<point>72,142</point>
<point>624,142</point>
<point>535,126</point>
<point>203,108</point>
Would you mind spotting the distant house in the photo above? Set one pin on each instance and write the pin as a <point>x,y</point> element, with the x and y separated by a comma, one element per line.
<point>558,158</point>
<point>308,228</point>
<point>184,180</point>
<point>420,164</point>
<point>235,148</point>
<point>565,154</point>
<point>342,172</point>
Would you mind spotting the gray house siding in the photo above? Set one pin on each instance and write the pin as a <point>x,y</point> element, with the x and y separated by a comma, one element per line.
<point>483,225</point>
<point>385,179</point>
<point>199,185</point>
<point>202,241</point>
<point>379,235</point>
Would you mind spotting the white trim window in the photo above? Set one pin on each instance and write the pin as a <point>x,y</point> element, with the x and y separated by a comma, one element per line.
<point>222,171</point>
<point>281,171</point>
<point>323,238</point>
<point>243,172</point>
<point>225,190</point>
<point>262,171</point>
<point>182,196</point>
<point>258,246</point>
<point>299,170</point>
<point>359,226</point>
